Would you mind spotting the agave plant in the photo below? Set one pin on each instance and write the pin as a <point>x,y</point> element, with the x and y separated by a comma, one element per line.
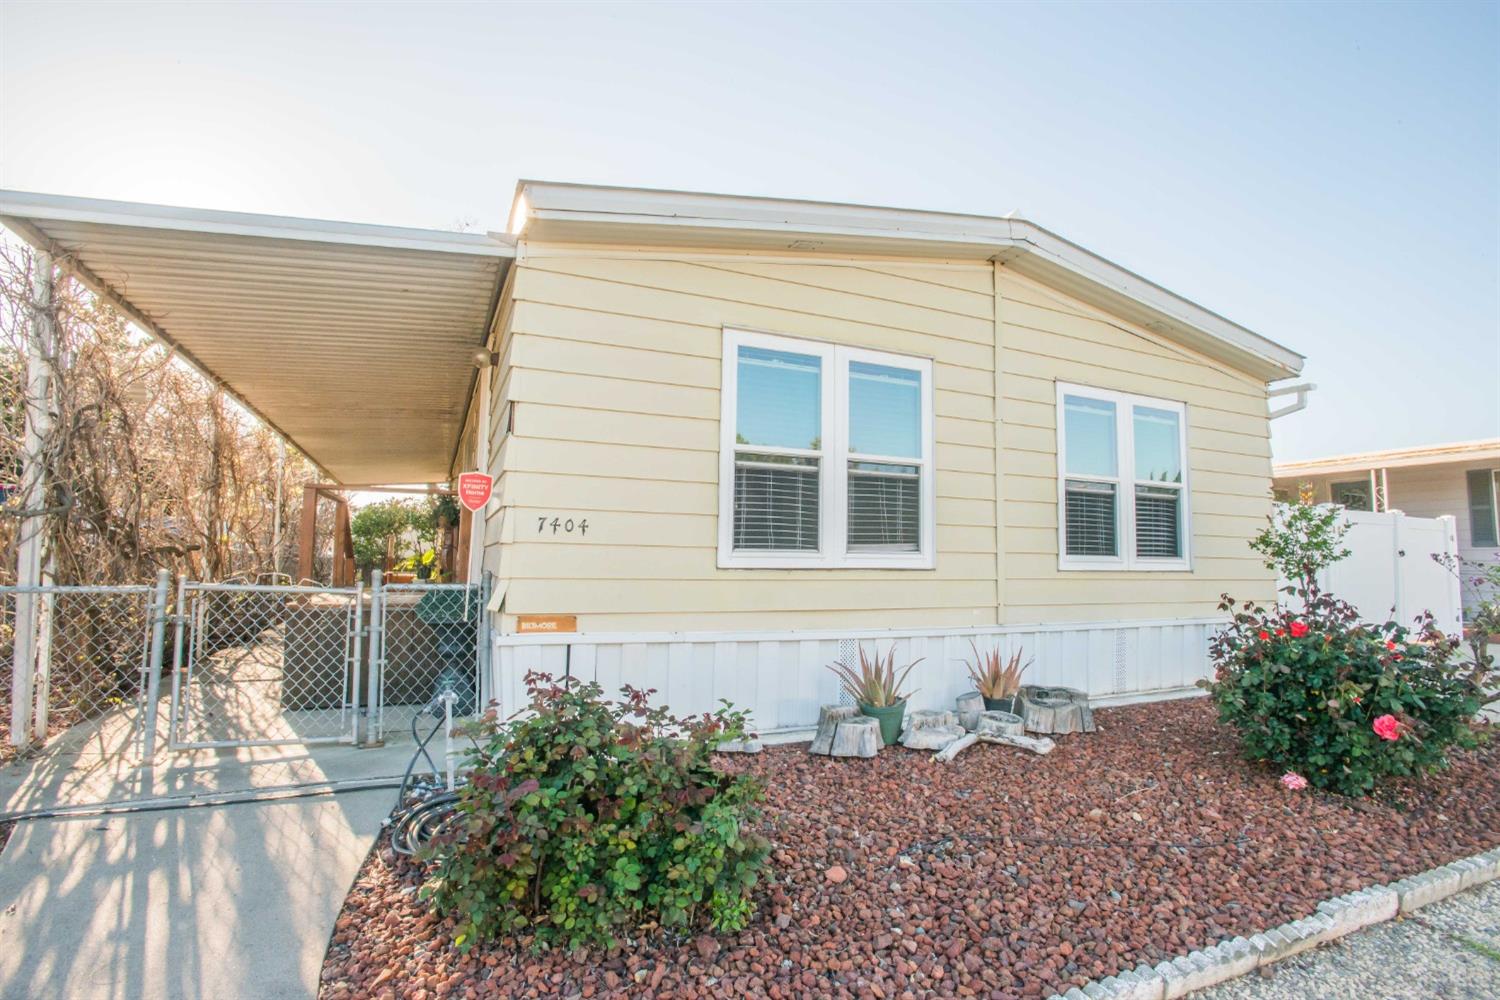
<point>877,682</point>
<point>995,678</point>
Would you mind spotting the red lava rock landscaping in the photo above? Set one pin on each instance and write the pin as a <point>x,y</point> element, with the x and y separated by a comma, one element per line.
<point>1003,874</point>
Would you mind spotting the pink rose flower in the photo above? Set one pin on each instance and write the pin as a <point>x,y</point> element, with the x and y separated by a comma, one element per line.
<point>1387,728</point>
<point>1293,781</point>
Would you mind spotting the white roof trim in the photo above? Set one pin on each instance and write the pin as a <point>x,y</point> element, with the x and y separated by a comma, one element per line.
<point>1395,458</point>
<point>564,210</point>
<point>30,205</point>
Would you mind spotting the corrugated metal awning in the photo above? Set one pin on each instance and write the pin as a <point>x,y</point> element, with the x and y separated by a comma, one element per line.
<point>356,342</point>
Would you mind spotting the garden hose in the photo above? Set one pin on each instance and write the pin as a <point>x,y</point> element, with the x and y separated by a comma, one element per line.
<point>422,808</point>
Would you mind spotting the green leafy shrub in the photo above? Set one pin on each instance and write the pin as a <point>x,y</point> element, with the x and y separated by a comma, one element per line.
<point>1344,704</point>
<point>588,819</point>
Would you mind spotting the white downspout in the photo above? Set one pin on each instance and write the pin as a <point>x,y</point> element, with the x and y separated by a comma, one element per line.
<point>1301,389</point>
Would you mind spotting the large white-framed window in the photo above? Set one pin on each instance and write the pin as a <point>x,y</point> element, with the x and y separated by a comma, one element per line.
<point>825,456</point>
<point>1122,485</point>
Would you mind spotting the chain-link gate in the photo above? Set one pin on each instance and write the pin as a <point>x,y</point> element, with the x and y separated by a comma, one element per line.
<point>426,639</point>
<point>255,664</point>
<point>89,655</point>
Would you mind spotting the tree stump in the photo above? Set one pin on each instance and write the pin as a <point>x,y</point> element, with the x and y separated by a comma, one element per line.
<point>1055,710</point>
<point>843,732</point>
<point>829,716</point>
<point>999,724</point>
<point>857,737</point>
<point>969,707</point>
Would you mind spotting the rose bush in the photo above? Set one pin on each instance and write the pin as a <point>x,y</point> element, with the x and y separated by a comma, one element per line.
<point>589,819</point>
<point>1343,703</point>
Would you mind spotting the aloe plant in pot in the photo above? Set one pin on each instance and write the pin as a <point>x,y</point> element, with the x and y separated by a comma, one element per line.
<point>876,687</point>
<point>997,679</point>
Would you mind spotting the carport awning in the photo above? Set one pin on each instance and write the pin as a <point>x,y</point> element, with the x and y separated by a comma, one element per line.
<point>356,342</point>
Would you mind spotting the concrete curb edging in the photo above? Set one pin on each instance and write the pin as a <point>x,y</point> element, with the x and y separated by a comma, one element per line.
<point>1234,957</point>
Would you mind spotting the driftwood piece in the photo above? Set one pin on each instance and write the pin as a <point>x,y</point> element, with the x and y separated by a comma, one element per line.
<point>829,716</point>
<point>856,737</point>
<point>927,718</point>
<point>1036,744</point>
<point>1001,728</point>
<point>1055,710</point>
<point>956,747</point>
<point>969,706</point>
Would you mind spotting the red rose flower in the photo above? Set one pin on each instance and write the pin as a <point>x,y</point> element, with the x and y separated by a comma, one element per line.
<point>1264,635</point>
<point>1299,629</point>
<point>1387,728</point>
<point>1390,644</point>
<point>1280,632</point>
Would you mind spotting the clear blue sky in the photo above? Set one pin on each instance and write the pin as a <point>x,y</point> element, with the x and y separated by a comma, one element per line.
<point>1328,175</point>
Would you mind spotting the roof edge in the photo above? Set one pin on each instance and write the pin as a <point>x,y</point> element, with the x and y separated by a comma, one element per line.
<point>97,211</point>
<point>1437,454</point>
<point>954,234</point>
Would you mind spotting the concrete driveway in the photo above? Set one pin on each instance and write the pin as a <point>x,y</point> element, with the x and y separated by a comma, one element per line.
<point>209,903</point>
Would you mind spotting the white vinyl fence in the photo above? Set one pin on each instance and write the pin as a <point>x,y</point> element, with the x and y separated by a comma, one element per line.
<point>1393,572</point>
<point>781,677</point>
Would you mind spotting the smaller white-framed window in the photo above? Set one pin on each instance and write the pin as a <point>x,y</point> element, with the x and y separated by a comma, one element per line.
<point>825,456</point>
<point>1484,511</point>
<point>1122,484</point>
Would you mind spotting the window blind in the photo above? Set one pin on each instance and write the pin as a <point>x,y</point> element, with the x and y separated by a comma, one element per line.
<point>884,508</point>
<point>1090,514</point>
<point>775,503</point>
<point>1482,508</point>
<point>1157,533</point>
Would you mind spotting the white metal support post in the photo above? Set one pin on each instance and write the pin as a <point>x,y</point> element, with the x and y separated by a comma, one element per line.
<point>481,464</point>
<point>374,731</point>
<point>34,499</point>
<point>152,687</point>
<point>276,516</point>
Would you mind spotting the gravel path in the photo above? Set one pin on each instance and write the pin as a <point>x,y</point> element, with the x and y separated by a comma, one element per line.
<point>1001,875</point>
<point>1448,950</point>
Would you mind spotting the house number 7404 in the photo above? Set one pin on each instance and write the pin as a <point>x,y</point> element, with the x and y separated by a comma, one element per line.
<point>568,526</point>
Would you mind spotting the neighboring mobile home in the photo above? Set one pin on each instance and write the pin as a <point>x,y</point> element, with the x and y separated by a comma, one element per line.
<point>734,437</point>
<point>1461,480</point>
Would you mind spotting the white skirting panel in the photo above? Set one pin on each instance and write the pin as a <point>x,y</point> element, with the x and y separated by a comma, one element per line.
<point>781,677</point>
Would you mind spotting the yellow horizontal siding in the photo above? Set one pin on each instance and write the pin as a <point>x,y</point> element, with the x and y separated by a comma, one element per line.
<point>893,592</point>
<point>615,369</point>
<point>1047,338</point>
<point>613,364</point>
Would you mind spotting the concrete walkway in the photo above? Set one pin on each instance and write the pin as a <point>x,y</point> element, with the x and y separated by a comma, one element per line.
<point>1447,951</point>
<point>212,902</point>
<point>232,902</point>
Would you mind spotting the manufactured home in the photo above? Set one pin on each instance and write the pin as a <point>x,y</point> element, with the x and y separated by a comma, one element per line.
<point>734,438</point>
<point>1460,480</point>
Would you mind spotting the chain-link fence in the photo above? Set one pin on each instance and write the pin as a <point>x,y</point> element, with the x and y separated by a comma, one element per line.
<point>89,654</point>
<point>249,664</point>
<point>427,639</point>
<point>258,664</point>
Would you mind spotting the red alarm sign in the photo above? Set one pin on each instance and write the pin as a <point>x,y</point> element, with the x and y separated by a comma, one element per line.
<point>474,489</point>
